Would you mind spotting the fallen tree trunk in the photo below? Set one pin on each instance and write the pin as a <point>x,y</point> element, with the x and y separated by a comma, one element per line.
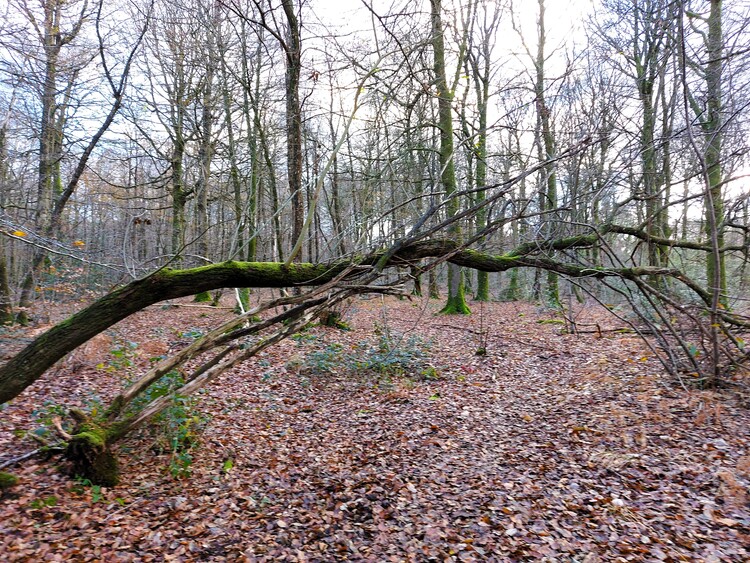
<point>25,368</point>
<point>89,446</point>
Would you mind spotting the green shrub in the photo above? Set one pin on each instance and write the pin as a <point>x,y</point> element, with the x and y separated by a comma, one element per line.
<point>325,359</point>
<point>121,358</point>
<point>178,427</point>
<point>389,356</point>
<point>385,356</point>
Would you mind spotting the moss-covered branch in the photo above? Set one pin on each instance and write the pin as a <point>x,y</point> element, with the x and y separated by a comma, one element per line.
<point>26,367</point>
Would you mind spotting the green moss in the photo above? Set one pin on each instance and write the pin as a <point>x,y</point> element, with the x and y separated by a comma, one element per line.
<point>455,309</point>
<point>93,439</point>
<point>456,306</point>
<point>98,466</point>
<point>118,428</point>
<point>244,296</point>
<point>456,303</point>
<point>483,287</point>
<point>202,297</point>
<point>23,319</point>
<point>115,408</point>
<point>89,452</point>
<point>7,480</point>
<point>487,262</point>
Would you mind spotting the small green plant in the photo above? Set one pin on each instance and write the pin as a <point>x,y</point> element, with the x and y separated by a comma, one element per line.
<point>97,494</point>
<point>178,427</point>
<point>429,373</point>
<point>304,337</point>
<point>7,480</point>
<point>82,484</point>
<point>94,406</point>
<point>40,503</point>
<point>121,358</point>
<point>181,424</point>
<point>181,464</point>
<point>45,416</point>
<point>165,385</point>
<point>179,432</point>
<point>325,359</point>
<point>227,466</point>
<point>192,333</point>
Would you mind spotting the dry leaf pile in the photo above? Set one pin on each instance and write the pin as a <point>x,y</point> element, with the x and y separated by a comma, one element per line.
<point>549,447</point>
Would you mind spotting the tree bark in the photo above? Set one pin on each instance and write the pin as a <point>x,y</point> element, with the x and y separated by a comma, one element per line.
<point>293,51</point>
<point>456,303</point>
<point>716,274</point>
<point>548,196</point>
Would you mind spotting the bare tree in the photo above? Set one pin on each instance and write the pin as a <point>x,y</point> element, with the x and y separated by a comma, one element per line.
<point>57,26</point>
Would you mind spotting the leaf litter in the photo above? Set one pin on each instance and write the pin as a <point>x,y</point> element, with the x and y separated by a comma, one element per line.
<point>540,446</point>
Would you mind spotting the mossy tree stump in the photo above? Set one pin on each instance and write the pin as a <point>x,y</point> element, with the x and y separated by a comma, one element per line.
<point>89,452</point>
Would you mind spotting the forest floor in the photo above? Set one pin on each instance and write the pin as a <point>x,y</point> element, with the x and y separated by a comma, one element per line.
<point>549,447</point>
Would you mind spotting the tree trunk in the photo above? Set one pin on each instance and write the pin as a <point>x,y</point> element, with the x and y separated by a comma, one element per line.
<point>6,298</point>
<point>715,264</point>
<point>456,303</point>
<point>179,197</point>
<point>205,155</point>
<point>6,302</point>
<point>548,200</point>
<point>49,151</point>
<point>293,53</point>
<point>481,74</point>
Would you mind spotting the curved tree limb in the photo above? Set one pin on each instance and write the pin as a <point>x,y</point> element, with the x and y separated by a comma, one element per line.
<point>29,365</point>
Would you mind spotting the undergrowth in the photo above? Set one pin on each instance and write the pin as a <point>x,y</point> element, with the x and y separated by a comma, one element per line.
<point>177,429</point>
<point>385,355</point>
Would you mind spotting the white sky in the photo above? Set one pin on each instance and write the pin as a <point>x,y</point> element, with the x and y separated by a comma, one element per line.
<point>564,18</point>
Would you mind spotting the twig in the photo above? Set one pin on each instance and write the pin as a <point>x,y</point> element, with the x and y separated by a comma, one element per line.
<point>464,329</point>
<point>215,307</point>
<point>60,429</point>
<point>28,455</point>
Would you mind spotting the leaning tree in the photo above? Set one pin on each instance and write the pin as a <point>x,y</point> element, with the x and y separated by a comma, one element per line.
<point>89,444</point>
<point>686,322</point>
